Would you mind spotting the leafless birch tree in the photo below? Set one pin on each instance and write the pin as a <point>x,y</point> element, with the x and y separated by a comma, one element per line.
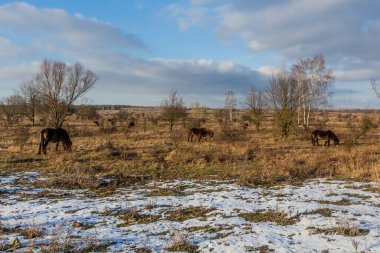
<point>230,103</point>
<point>312,81</point>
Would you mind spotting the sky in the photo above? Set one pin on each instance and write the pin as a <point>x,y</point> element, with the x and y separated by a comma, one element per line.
<point>141,50</point>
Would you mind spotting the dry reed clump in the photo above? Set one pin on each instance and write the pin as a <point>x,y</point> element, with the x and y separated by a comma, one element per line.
<point>130,216</point>
<point>108,149</point>
<point>360,163</point>
<point>288,164</point>
<point>279,218</point>
<point>180,242</point>
<point>62,240</point>
<point>86,178</point>
<point>232,135</point>
<point>32,232</point>
<point>186,213</point>
<point>70,181</point>
<point>343,229</point>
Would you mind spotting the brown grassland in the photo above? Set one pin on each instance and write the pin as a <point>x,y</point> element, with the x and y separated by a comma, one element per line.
<point>149,151</point>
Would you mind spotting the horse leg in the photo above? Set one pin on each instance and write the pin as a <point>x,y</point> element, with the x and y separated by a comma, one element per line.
<point>200,137</point>
<point>56,146</point>
<point>39,148</point>
<point>191,137</point>
<point>41,144</point>
<point>44,146</point>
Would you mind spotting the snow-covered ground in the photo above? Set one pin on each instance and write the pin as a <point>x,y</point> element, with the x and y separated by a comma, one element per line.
<point>325,216</point>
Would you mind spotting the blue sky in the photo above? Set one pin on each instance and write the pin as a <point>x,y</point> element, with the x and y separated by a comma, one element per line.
<point>143,49</point>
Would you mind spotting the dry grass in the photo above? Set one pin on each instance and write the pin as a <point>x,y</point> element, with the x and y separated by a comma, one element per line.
<point>343,230</point>
<point>342,202</point>
<point>182,214</point>
<point>32,232</point>
<point>325,212</point>
<point>149,151</point>
<point>179,242</point>
<point>131,216</point>
<point>279,218</point>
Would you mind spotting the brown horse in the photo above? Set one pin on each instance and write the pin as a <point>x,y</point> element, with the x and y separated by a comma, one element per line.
<point>200,133</point>
<point>131,124</point>
<point>55,135</point>
<point>328,135</point>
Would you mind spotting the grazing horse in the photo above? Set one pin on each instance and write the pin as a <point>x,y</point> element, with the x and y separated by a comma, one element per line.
<point>54,135</point>
<point>131,124</point>
<point>200,132</point>
<point>328,135</point>
<point>96,123</point>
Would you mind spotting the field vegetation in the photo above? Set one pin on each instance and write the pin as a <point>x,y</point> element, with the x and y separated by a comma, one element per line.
<point>150,151</point>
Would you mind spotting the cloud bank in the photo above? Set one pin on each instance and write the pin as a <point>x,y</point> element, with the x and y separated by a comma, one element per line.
<point>345,31</point>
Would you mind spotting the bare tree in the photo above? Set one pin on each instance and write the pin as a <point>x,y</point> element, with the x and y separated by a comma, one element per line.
<point>10,107</point>
<point>312,81</point>
<point>375,87</point>
<point>230,103</point>
<point>30,101</point>
<point>173,109</point>
<point>283,96</point>
<point>59,86</point>
<point>256,100</point>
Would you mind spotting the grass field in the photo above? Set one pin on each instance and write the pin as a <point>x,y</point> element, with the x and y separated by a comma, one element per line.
<point>148,157</point>
<point>152,151</point>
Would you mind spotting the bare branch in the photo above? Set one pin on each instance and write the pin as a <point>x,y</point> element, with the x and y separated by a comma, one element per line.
<point>375,87</point>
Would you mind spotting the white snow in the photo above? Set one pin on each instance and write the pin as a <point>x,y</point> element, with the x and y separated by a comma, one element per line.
<point>231,233</point>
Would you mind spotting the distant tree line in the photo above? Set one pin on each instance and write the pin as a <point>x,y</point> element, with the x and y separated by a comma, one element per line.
<point>51,95</point>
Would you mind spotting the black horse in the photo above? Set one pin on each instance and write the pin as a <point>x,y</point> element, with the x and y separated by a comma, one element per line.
<point>131,124</point>
<point>55,135</point>
<point>200,133</point>
<point>328,135</point>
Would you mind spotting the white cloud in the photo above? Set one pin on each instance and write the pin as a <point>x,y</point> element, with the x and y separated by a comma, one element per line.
<point>62,28</point>
<point>347,32</point>
<point>96,44</point>
<point>299,27</point>
<point>357,74</point>
<point>9,49</point>
<point>189,17</point>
